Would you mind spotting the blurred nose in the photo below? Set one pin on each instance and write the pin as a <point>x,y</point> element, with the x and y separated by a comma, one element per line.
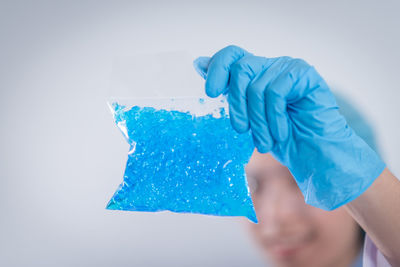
<point>280,209</point>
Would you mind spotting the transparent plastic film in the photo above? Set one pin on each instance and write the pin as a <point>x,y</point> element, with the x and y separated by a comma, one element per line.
<point>184,156</point>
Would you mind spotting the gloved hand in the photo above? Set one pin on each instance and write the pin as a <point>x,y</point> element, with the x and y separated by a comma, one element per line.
<point>292,113</point>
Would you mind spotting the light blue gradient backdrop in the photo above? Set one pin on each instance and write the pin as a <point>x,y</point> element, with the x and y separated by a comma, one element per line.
<point>61,157</point>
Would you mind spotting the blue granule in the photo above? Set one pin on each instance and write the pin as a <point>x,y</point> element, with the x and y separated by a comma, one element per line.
<point>183,163</point>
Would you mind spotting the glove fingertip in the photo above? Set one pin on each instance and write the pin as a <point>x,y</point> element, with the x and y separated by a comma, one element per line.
<point>262,139</point>
<point>211,90</point>
<point>263,145</point>
<point>200,64</point>
<point>263,149</point>
<point>239,125</point>
<point>241,128</point>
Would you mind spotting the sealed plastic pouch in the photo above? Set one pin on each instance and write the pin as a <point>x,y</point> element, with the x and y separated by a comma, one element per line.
<point>184,156</point>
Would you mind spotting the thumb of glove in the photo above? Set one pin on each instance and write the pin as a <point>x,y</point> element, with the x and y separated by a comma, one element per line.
<point>200,64</point>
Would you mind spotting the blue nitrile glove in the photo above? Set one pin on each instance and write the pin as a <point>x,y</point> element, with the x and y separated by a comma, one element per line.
<point>293,114</point>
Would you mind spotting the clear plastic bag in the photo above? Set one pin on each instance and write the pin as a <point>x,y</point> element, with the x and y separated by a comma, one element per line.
<point>184,156</point>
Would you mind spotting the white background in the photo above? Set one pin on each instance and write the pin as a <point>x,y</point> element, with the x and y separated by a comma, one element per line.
<point>61,156</point>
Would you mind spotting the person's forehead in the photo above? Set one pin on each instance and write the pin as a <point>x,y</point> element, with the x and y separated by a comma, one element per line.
<point>260,161</point>
<point>264,167</point>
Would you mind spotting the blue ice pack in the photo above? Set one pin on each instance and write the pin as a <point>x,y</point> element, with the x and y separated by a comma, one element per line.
<point>183,161</point>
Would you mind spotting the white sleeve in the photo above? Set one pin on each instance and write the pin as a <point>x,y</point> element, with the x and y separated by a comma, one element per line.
<point>372,256</point>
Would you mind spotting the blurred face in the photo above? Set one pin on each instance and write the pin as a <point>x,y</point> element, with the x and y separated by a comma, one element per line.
<point>290,232</point>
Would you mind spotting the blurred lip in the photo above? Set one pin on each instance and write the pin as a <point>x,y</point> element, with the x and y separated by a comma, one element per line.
<point>285,251</point>
<point>288,249</point>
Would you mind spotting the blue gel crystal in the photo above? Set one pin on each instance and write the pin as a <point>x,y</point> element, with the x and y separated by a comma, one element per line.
<point>183,163</point>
